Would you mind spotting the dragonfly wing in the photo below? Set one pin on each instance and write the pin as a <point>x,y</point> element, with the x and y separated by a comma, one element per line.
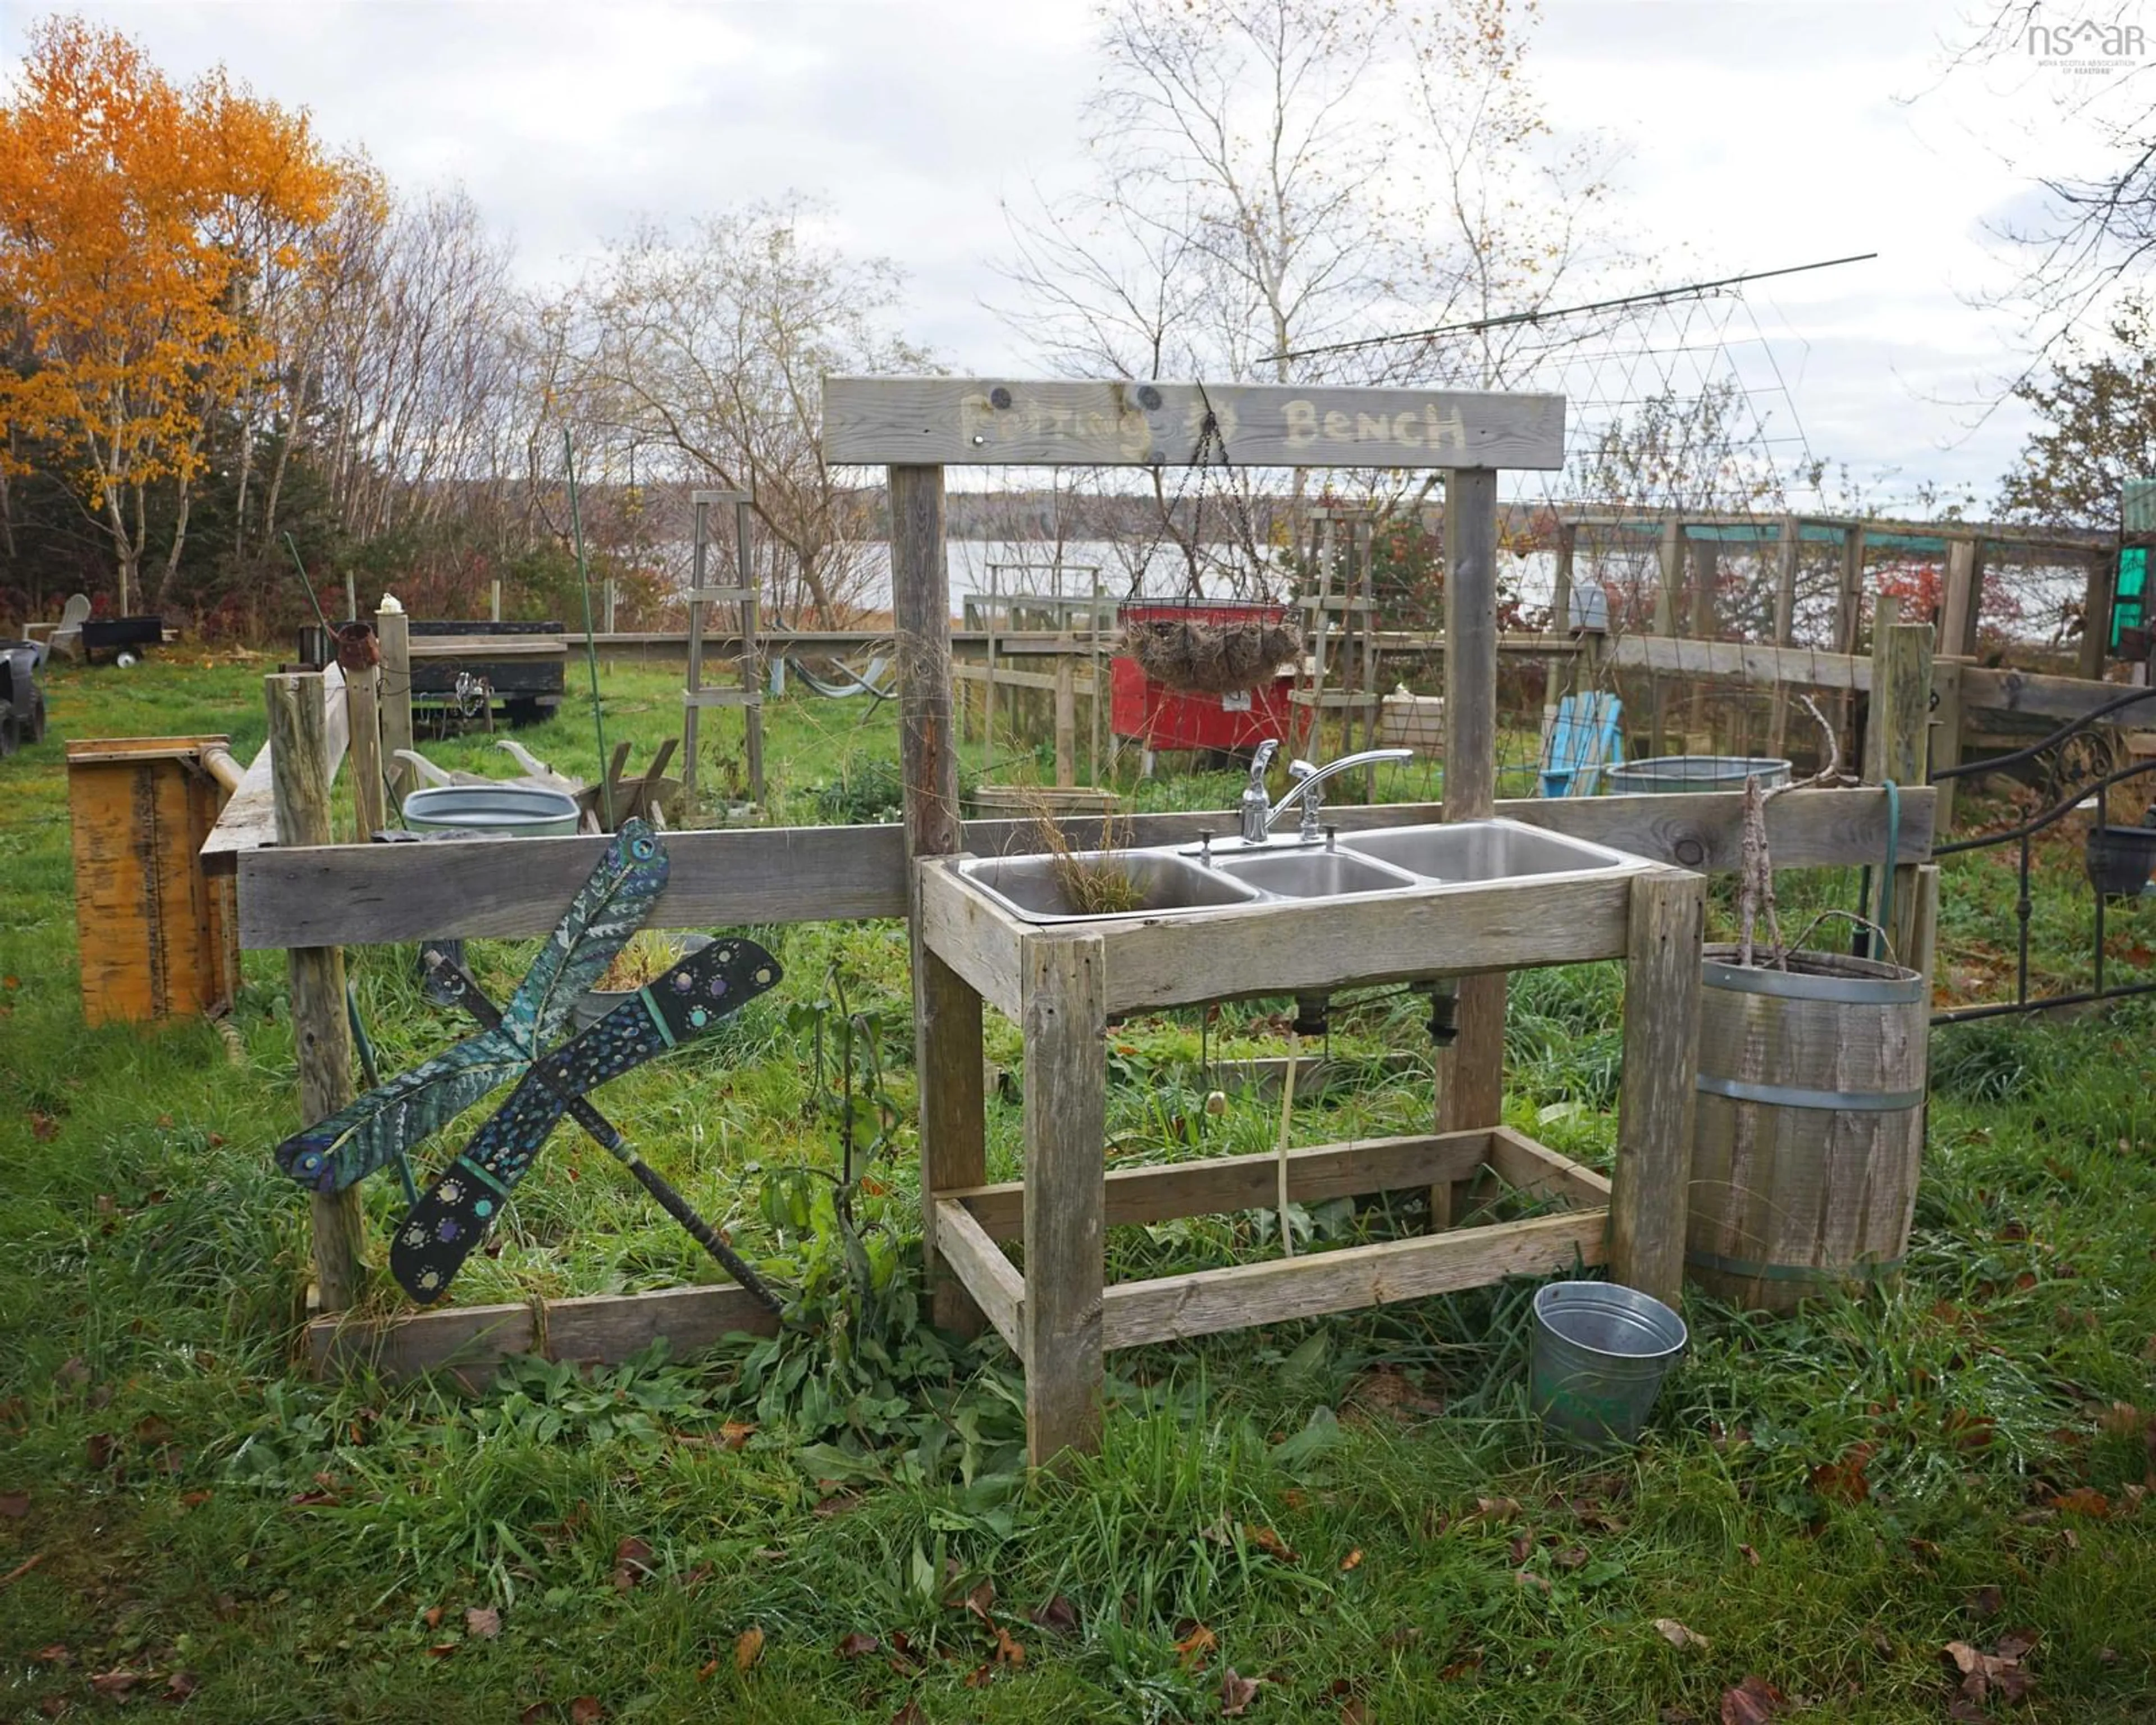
<point>609,908</point>
<point>453,1215</point>
<point>392,1119</point>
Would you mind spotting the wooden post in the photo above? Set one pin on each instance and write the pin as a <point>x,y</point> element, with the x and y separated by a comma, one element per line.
<point>2096,613</point>
<point>1786,549</point>
<point>946,1038</point>
<point>393,630</point>
<point>300,779</point>
<point>494,604</point>
<point>700,507</point>
<point>361,688</point>
<point>1062,991</point>
<point>1957,604</point>
<point>1560,626</point>
<point>1066,710</point>
<point>1471,1072</point>
<point>1670,566</point>
<point>1946,739</point>
<point>1651,1185</point>
<point>1705,566</point>
<point>1901,697</point>
<point>752,620</point>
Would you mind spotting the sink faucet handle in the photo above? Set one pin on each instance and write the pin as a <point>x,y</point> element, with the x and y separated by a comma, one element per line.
<point>1262,757</point>
<point>1299,769</point>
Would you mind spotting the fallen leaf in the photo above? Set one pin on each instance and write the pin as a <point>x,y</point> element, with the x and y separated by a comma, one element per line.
<point>1009,1651</point>
<point>1237,1692</point>
<point>56,1653</point>
<point>1521,1545</point>
<point>1749,1555</point>
<point>180,1684</point>
<point>979,1601</point>
<point>1496,1509</point>
<point>115,1686</point>
<point>2015,1644</point>
<point>1573,1557</point>
<point>1466,1665</point>
<point>14,1505</point>
<point>1679,1636</point>
<point>1268,1542</point>
<point>632,1563</point>
<point>42,1127</point>
<point>1753,1702</point>
<point>432,1617</point>
<point>536,1714</point>
<point>1527,1578</point>
<point>856,1644</point>
<point>1353,1560</point>
<point>482,1623</point>
<point>2083,1501</point>
<point>1059,1615</point>
<point>1842,1481</point>
<point>910,1714</point>
<point>587,1710</point>
<point>1353,1712</point>
<point>99,1450</point>
<point>749,1648</point>
<point>1194,1646</point>
<point>980,1676</point>
<point>1985,1601</point>
<point>441,1650</point>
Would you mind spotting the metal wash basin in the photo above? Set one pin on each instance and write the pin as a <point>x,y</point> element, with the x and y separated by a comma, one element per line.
<point>1479,851</point>
<point>1038,887</point>
<point>1314,874</point>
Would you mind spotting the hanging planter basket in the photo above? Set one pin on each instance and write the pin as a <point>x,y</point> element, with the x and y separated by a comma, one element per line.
<point>1202,658</point>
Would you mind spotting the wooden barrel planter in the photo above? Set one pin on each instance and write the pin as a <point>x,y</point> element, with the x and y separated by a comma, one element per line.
<point>1810,1127</point>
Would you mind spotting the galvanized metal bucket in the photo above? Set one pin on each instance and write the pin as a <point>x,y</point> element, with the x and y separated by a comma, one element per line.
<point>515,810</point>
<point>1695,772</point>
<point>1600,1354</point>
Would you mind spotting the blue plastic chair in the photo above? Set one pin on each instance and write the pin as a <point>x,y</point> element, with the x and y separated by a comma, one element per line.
<point>1583,740</point>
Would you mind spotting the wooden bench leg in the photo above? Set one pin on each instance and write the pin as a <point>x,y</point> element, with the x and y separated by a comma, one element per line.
<point>1062,995</point>
<point>953,1147</point>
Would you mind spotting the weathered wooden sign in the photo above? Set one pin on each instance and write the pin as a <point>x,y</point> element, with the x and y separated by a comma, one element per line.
<point>950,421</point>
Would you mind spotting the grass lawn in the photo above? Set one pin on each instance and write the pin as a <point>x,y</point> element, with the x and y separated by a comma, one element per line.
<point>1834,1516</point>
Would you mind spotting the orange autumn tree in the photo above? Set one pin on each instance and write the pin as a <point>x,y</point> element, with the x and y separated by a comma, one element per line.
<point>139,222</point>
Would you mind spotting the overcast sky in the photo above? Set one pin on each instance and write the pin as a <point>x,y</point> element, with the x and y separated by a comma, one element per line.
<point>1755,135</point>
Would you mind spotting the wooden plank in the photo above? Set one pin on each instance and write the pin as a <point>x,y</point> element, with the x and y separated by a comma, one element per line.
<point>700,505</point>
<point>1788,548</point>
<point>2096,614</point>
<point>721,697</point>
<point>1946,740</point>
<point>966,672</point>
<point>1746,661</point>
<point>1649,1192</point>
<point>1323,944</point>
<point>470,1340</point>
<point>368,895</point>
<point>1204,1302</point>
<point>982,422</point>
<point>990,1276</point>
<point>1064,986</point>
<point>2047,697</point>
<point>1221,1185</point>
<point>1540,1172</point>
<point>428,648</point>
<point>719,595</point>
<point>974,937</point>
<point>321,1036</point>
<point>1958,607</point>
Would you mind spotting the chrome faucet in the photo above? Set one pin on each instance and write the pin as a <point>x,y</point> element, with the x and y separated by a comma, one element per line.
<point>1307,779</point>
<point>1256,807</point>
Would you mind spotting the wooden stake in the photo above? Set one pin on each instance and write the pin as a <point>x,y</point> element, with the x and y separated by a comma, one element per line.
<point>300,771</point>
<point>1649,1188</point>
<point>1066,713</point>
<point>1785,617</point>
<point>369,809</point>
<point>1062,990</point>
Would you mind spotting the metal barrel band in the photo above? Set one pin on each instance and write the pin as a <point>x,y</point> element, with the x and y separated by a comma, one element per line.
<point>1789,1095</point>
<point>1848,991</point>
<point>1865,1270</point>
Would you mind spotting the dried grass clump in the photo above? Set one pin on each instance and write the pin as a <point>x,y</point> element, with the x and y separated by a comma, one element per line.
<point>1210,658</point>
<point>1095,887</point>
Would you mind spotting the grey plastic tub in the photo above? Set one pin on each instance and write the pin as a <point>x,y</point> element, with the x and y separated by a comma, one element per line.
<point>1694,773</point>
<point>1600,1354</point>
<point>515,810</point>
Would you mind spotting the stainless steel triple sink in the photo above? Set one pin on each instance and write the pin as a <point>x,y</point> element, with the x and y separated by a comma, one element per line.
<point>1167,880</point>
